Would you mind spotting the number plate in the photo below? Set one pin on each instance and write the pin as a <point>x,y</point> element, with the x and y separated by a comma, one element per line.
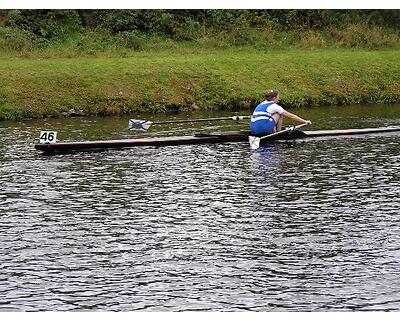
<point>48,137</point>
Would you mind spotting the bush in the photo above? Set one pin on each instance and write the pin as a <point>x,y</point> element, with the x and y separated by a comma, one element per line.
<point>124,30</point>
<point>310,39</point>
<point>130,40</point>
<point>45,23</point>
<point>12,39</point>
<point>171,23</point>
<point>136,20</point>
<point>362,35</point>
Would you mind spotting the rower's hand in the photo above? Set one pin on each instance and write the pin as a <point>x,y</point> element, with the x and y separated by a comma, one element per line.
<point>308,122</point>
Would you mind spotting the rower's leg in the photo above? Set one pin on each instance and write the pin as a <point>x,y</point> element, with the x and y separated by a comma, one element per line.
<point>278,120</point>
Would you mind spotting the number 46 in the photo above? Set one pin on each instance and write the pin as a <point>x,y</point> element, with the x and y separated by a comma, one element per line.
<point>48,136</point>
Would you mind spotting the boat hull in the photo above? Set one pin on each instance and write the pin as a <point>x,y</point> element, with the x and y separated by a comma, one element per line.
<point>67,147</point>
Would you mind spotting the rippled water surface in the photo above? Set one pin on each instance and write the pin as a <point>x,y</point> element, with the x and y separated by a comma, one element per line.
<point>310,226</point>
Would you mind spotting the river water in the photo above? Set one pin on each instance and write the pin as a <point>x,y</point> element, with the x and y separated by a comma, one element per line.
<point>309,226</point>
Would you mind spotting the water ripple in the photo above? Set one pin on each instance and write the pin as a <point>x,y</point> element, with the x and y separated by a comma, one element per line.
<point>307,227</point>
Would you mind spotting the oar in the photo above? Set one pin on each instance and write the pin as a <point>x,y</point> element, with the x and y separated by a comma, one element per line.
<point>255,141</point>
<point>144,125</point>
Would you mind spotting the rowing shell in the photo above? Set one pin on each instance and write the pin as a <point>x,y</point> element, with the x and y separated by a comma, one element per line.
<point>68,147</point>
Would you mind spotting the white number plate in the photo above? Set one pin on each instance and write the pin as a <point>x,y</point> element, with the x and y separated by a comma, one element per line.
<point>48,137</point>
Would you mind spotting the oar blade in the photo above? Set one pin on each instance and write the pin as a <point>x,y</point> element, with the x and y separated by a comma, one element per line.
<point>254,142</point>
<point>142,125</point>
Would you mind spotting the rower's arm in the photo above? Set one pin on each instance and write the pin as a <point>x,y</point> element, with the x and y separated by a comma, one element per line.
<point>294,117</point>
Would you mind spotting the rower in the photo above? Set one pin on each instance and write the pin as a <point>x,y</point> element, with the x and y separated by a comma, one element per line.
<point>268,116</point>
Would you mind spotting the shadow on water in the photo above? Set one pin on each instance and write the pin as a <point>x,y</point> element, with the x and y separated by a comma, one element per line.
<point>312,226</point>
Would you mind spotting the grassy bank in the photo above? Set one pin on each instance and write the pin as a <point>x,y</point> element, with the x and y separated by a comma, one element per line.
<point>188,79</point>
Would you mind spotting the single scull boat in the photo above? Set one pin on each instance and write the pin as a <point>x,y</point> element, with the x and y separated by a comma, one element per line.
<point>68,147</point>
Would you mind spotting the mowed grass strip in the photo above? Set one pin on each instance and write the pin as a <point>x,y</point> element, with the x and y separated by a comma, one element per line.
<point>156,82</point>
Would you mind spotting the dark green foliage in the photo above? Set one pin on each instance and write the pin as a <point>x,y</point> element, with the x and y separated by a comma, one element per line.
<point>134,29</point>
<point>138,20</point>
<point>45,23</point>
<point>186,23</point>
<point>178,24</point>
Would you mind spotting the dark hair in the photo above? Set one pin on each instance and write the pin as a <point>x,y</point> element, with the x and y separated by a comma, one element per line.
<point>270,94</point>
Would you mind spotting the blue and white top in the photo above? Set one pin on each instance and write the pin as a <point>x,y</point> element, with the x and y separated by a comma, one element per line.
<point>262,122</point>
<point>265,110</point>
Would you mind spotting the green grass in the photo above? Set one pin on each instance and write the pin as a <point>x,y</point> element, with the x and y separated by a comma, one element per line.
<point>193,78</point>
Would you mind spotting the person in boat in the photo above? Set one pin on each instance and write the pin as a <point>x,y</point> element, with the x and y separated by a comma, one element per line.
<point>268,115</point>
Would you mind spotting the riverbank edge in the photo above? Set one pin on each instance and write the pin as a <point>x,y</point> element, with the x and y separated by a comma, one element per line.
<point>195,80</point>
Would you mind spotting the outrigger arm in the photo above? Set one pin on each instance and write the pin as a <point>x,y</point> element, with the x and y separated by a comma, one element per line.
<point>255,141</point>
